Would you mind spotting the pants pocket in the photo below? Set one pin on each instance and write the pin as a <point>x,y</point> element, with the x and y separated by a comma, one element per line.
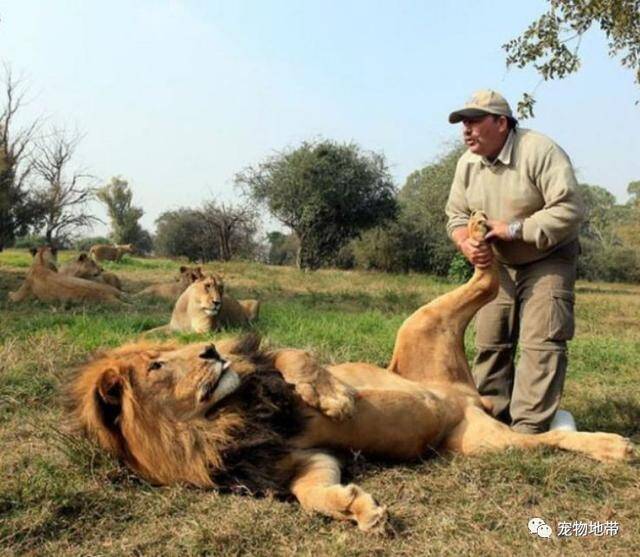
<point>561,320</point>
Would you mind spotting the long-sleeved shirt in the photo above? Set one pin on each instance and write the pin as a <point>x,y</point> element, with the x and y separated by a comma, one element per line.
<point>532,180</point>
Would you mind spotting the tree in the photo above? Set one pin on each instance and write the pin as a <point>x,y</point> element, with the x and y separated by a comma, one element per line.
<point>181,233</point>
<point>18,207</point>
<point>599,203</point>
<point>552,43</point>
<point>63,195</point>
<point>326,192</point>
<point>233,227</point>
<point>124,216</point>
<point>282,248</point>
<point>423,199</point>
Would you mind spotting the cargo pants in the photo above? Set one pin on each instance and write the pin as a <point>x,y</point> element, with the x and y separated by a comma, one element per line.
<point>533,311</point>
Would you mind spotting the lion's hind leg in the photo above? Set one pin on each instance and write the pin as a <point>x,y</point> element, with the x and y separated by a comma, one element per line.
<point>317,487</point>
<point>479,432</point>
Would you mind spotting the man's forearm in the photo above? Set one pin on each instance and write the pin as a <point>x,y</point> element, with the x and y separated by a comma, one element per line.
<point>459,235</point>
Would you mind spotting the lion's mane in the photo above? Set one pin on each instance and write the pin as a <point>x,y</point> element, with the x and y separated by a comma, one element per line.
<point>236,447</point>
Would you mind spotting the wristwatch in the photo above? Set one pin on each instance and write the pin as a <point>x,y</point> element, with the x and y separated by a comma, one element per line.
<point>515,229</point>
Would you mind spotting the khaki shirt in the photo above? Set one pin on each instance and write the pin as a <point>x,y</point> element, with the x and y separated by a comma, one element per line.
<point>532,179</point>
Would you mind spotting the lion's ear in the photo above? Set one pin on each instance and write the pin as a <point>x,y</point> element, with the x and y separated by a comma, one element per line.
<point>82,257</point>
<point>33,252</point>
<point>182,268</point>
<point>110,387</point>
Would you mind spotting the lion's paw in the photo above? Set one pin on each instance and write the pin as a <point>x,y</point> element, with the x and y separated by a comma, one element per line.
<point>611,447</point>
<point>329,395</point>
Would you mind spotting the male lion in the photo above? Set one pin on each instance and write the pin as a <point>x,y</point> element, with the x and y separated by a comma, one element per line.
<point>204,307</point>
<point>45,283</point>
<point>105,252</point>
<point>236,417</point>
<point>171,290</point>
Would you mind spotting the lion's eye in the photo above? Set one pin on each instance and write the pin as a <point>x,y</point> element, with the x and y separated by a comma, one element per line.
<point>154,365</point>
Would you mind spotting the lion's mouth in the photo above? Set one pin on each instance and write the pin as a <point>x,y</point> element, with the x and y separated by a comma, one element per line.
<point>212,310</point>
<point>212,391</point>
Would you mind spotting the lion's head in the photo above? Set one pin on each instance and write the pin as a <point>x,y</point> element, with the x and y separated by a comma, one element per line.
<point>85,267</point>
<point>205,294</point>
<point>184,415</point>
<point>188,275</point>
<point>45,256</point>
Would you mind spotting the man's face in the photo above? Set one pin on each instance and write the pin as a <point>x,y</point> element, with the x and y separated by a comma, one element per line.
<point>485,135</point>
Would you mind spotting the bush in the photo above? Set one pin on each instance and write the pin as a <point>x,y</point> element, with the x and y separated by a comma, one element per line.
<point>84,244</point>
<point>460,270</point>
<point>608,263</point>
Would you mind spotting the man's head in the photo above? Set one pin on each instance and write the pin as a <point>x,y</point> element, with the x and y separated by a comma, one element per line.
<point>486,119</point>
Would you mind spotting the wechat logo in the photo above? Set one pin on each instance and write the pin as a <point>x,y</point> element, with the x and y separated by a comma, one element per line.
<point>539,527</point>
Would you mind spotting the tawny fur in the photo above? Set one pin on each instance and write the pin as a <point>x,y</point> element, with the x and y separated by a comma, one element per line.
<point>156,408</point>
<point>85,267</point>
<point>204,307</point>
<point>46,284</point>
<point>105,252</point>
<point>171,290</point>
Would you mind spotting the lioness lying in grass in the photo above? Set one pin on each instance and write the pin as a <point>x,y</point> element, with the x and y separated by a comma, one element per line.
<point>45,283</point>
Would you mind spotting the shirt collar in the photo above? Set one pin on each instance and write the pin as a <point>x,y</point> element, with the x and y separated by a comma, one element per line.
<point>505,154</point>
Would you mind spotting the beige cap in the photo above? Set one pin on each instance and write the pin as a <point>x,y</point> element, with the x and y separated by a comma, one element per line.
<point>482,102</point>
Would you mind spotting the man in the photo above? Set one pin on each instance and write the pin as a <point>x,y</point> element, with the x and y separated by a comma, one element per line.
<point>526,186</point>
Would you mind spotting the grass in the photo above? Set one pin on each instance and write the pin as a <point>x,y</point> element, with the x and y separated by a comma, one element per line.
<point>61,496</point>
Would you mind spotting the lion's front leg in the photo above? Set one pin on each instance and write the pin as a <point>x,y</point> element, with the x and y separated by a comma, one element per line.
<point>317,487</point>
<point>314,384</point>
<point>22,293</point>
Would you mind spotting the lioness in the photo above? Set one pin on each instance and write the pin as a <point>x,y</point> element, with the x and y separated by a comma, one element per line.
<point>105,252</point>
<point>46,284</point>
<point>171,290</point>
<point>236,417</point>
<point>85,267</point>
<point>204,307</point>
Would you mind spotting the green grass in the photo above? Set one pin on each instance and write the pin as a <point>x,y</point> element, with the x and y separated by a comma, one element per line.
<point>59,495</point>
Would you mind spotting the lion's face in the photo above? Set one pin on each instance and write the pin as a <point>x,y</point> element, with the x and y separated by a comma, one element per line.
<point>188,275</point>
<point>208,293</point>
<point>46,256</point>
<point>87,267</point>
<point>181,384</point>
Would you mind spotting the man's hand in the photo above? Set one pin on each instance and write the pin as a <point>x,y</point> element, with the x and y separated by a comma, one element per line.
<point>478,253</point>
<point>498,230</point>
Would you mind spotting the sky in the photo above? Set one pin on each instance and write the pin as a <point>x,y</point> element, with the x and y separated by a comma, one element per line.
<point>178,96</point>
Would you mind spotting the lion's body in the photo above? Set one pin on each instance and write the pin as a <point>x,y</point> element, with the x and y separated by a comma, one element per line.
<point>171,290</point>
<point>236,417</point>
<point>47,285</point>
<point>105,252</point>
<point>85,267</point>
<point>237,313</point>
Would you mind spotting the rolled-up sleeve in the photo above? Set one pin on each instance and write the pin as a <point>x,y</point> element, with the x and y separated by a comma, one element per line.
<point>563,210</point>
<point>457,207</point>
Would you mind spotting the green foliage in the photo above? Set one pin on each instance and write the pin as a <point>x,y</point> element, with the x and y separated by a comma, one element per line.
<point>124,216</point>
<point>326,192</point>
<point>84,244</point>
<point>551,43</point>
<point>29,241</point>
<point>181,233</point>
<point>283,248</point>
<point>608,262</point>
<point>460,269</point>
